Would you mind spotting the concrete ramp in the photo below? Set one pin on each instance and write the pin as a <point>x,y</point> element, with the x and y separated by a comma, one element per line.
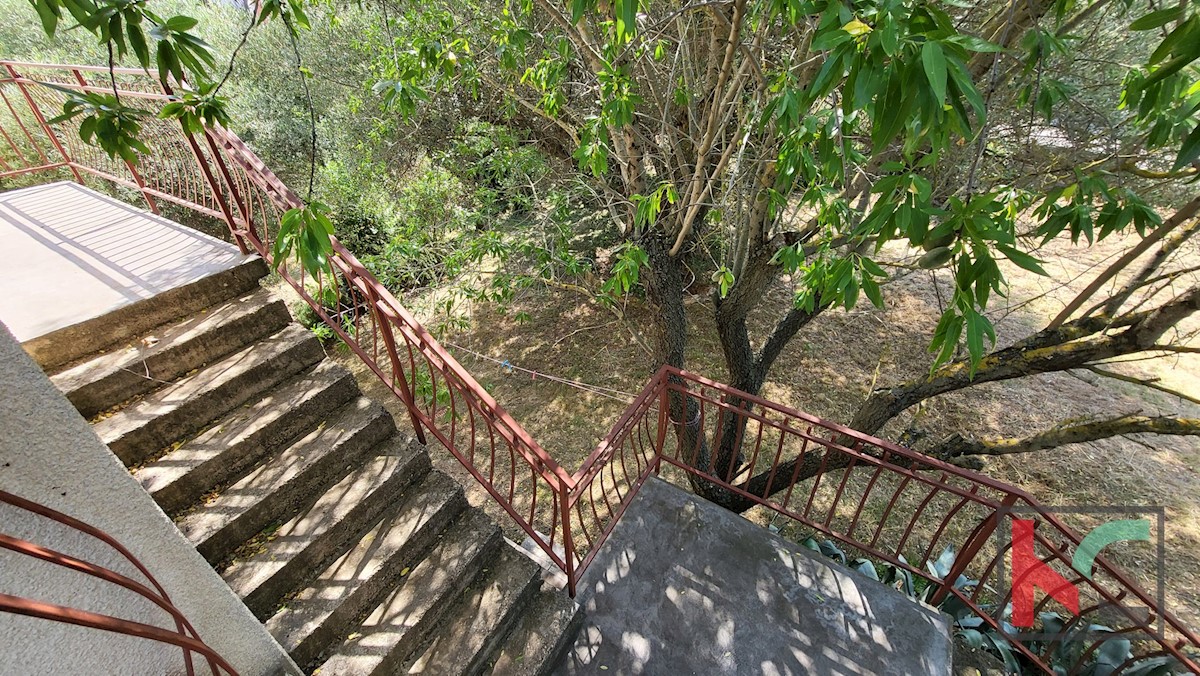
<point>685,587</point>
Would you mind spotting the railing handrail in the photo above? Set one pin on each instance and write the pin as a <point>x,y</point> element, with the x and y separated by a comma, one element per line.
<point>184,637</point>
<point>1012,497</point>
<point>287,199</point>
<point>234,177</point>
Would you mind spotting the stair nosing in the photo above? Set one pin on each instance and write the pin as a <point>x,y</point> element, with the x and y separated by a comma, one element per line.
<point>254,437</point>
<point>292,346</point>
<point>367,424</point>
<point>481,539</point>
<point>113,375</point>
<point>124,323</point>
<point>328,627</point>
<point>527,572</point>
<point>261,593</point>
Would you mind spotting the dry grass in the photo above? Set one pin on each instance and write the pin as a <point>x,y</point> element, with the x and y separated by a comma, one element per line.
<point>829,368</point>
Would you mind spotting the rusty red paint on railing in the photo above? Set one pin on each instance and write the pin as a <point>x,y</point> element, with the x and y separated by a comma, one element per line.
<point>184,636</point>
<point>861,484</point>
<point>923,505</point>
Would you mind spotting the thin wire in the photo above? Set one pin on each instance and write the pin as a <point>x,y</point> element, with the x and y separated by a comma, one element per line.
<point>587,387</point>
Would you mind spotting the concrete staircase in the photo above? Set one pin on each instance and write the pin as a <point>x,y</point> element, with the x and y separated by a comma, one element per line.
<point>335,531</point>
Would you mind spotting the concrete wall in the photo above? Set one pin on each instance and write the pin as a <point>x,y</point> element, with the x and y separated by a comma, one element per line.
<point>49,454</point>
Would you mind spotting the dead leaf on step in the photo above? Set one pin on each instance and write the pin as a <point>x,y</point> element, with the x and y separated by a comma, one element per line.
<point>405,571</point>
<point>355,635</point>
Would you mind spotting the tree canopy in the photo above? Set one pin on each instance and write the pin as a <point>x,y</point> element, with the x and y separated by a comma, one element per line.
<point>748,142</point>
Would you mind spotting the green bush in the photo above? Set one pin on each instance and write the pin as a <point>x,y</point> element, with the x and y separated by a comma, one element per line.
<point>505,172</point>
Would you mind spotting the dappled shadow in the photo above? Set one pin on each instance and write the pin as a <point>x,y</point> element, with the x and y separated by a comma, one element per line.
<point>683,587</point>
<point>75,254</point>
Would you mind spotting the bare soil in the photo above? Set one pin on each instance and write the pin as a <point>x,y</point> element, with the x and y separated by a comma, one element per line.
<point>829,368</point>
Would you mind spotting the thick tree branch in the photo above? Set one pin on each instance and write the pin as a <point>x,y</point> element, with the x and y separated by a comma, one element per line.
<point>1068,433</point>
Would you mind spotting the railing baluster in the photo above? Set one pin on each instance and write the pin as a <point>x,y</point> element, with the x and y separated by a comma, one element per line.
<point>225,179</point>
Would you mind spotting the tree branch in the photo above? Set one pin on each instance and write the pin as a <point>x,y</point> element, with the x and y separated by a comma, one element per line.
<point>1182,215</point>
<point>1151,383</point>
<point>957,446</point>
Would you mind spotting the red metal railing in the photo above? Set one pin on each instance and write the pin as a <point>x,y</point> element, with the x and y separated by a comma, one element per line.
<point>217,175</point>
<point>886,502</point>
<point>183,636</point>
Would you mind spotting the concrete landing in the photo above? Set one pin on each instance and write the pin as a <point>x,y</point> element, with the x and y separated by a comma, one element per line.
<point>72,254</point>
<point>685,587</point>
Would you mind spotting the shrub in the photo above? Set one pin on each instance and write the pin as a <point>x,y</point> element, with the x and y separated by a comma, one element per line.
<point>505,172</point>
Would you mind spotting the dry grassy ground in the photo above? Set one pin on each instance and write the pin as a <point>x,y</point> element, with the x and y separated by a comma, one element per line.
<point>828,369</point>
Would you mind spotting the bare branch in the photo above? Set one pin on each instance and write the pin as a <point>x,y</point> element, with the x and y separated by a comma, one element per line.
<point>1151,383</point>
<point>1182,215</point>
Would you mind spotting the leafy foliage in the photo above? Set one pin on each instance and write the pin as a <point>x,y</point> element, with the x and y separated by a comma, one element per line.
<point>1063,652</point>
<point>304,233</point>
<point>105,122</point>
<point>199,108</point>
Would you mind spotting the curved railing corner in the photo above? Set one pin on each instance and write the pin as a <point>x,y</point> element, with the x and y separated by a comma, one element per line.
<point>183,636</point>
<point>890,504</point>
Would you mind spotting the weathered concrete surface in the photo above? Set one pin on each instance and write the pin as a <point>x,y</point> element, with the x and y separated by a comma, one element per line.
<point>685,587</point>
<point>49,454</point>
<point>72,254</point>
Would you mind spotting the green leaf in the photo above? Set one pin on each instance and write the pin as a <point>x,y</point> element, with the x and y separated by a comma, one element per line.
<point>1190,150</point>
<point>978,327</point>
<point>889,112</point>
<point>1022,259</point>
<point>1111,654</point>
<point>974,44</point>
<point>866,568</point>
<point>934,62</point>
<point>181,23</point>
<point>1155,19</point>
<point>723,278</point>
<point>871,288</point>
<point>856,28</point>
<point>137,41</point>
<point>48,12</point>
<point>972,637</point>
<point>626,19</point>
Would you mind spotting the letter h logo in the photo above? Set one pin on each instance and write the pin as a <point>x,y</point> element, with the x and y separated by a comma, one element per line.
<point>1030,572</point>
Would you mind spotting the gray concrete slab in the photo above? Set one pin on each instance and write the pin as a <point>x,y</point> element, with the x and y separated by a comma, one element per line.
<point>72,254</point>
<point>685,587</point>
<point>50,455</point>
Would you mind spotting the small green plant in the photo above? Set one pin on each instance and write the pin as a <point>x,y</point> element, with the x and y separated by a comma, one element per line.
<point>322,331</point>
<point>1062,654</point>
<point>305,232</point>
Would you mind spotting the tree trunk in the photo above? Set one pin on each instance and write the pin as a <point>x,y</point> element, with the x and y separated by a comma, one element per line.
<point>1077,345</point>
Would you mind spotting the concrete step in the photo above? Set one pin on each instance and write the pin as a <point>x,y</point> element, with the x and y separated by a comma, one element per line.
<point>223,453</point>
<point>111,378</point>
<point>403,621</point>
<point>283,560</point>
<point>145,428</point>
<point>474,627</point>
<point>540,638</point>
<point>323,614</point>
<point>283,485</point>
<point>69,344</point>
